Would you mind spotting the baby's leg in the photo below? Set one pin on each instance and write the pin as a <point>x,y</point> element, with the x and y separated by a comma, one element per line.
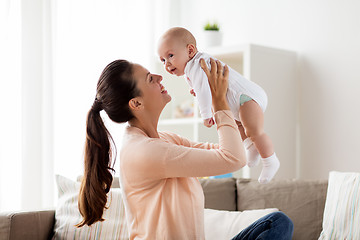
<point>241,130</point>
<point>252,119</point>
<point>252,154</point>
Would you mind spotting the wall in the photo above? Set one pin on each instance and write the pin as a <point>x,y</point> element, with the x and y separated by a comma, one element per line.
<point>326,35</point>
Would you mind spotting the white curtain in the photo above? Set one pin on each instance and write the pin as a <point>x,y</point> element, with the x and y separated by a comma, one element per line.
<point>10,105</point>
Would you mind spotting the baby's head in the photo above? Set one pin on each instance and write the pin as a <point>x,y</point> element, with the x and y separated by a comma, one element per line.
<point>176,47</point>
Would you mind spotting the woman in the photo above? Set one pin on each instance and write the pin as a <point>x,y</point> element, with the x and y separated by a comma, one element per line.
<point>163,198</point>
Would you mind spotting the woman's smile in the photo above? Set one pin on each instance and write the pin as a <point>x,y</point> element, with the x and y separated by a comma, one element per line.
<point>163,90</point>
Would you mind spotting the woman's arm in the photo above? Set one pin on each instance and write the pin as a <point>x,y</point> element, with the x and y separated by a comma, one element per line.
<point>179,140</point>
<point>161,159</point>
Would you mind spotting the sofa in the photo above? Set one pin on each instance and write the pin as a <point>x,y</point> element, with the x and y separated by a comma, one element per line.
<point>302,200</point>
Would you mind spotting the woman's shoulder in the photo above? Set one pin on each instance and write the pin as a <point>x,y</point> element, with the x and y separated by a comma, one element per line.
<point>138,151</point>
<point>138,143</point>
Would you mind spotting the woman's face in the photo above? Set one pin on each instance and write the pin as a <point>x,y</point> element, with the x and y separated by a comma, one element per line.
<point>153,93</point>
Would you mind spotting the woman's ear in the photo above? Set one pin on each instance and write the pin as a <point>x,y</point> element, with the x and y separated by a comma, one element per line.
<point>191,50</point>
<point>136,104</point>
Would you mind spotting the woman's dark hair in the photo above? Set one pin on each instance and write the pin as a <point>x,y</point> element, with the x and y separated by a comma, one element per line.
<point>115,88</point>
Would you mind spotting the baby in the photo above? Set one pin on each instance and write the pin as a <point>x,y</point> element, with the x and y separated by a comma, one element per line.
<point>178,52</point>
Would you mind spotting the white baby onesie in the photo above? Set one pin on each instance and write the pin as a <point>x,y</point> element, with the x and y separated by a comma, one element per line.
<point>238,85</point>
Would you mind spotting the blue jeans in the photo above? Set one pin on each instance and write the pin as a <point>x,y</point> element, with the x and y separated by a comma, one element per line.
<point>275,226</point>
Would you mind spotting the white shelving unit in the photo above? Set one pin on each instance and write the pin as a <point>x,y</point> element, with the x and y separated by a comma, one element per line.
<point>275,71</point>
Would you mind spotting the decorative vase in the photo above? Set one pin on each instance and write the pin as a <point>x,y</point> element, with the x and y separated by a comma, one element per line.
<point>212,38</point>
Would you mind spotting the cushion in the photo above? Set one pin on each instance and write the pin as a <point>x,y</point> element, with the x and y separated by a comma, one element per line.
<point>219,193</point>
<point>342,207</point>
<point>227,224</point>
<point>302,201</point>
<point>67,215</point>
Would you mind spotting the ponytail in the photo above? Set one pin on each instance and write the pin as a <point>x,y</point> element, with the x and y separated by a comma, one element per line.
<point>97,178</point>
<point>115,88</point>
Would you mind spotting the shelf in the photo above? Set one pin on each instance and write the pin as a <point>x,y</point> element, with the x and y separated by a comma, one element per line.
<point>235,51</point>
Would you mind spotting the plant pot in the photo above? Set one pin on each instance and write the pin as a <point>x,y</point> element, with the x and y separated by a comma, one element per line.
<point>212,38</point>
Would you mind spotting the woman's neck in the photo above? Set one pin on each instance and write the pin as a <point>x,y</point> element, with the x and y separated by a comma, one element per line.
<point>148,126</point>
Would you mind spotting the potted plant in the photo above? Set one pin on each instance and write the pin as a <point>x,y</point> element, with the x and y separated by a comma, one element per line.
<point>212,35</point>
<point>211,27</point>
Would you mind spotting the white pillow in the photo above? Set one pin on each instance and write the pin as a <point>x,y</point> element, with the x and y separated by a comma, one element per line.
<point>221,224</point>
<point>342,207</point>
<point>67,215</point>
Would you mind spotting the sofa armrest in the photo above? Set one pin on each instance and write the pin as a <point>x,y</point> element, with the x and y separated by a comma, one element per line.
<point>27,225</point>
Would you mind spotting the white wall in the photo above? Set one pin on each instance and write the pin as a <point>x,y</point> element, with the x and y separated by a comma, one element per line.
<point>326,35</point>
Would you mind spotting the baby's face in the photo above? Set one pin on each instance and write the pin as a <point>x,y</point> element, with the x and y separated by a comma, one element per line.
<point>174,55</point>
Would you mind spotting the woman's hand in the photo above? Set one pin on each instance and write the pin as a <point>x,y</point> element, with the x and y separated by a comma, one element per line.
<point>218,81</point>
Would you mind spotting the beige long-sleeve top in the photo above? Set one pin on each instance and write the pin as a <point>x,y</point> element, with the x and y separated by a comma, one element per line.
<point>163,198</point>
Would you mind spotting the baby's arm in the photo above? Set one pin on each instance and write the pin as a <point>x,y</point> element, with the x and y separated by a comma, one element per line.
<point>208,122</point>
<point>203,96</point>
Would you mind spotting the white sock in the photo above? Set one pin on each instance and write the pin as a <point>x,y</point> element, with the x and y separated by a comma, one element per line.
<point>252,155</point>
<point>269,169</point>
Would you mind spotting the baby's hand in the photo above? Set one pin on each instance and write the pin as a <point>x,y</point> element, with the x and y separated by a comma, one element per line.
<point>192,92</point>
<point>209,122</point>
